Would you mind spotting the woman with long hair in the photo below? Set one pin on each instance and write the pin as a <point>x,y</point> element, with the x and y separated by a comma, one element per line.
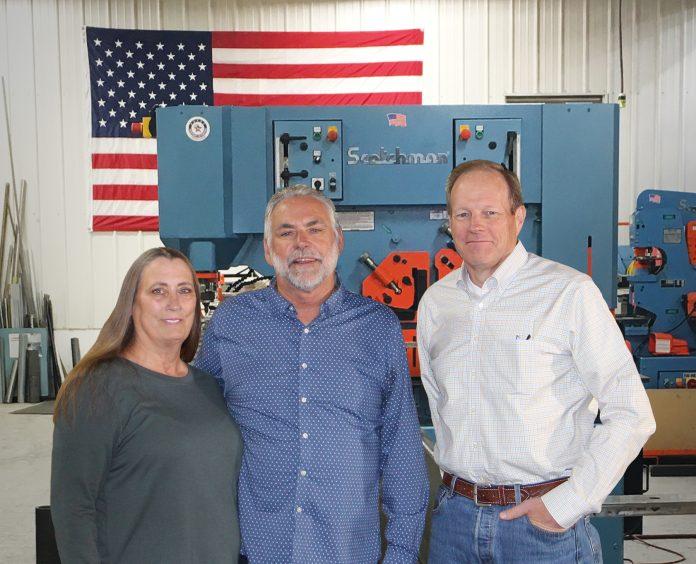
<point>145,454</point>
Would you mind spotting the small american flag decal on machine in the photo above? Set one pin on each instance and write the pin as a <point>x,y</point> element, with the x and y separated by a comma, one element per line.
<point>396,120</point>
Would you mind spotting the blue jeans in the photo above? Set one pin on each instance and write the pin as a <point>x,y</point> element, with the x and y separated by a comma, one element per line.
<point>461,531</point>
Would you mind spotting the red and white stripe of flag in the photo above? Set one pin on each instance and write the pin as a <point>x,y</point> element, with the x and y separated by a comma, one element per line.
<point>331,68</point>
<point>124,189</point>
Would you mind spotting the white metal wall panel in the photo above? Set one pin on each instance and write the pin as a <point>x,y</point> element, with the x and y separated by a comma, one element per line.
<point>476,51</point>
<point>670,107</point>
<point>52,257</point>
<point>524,30</point>
<point>687,180</point>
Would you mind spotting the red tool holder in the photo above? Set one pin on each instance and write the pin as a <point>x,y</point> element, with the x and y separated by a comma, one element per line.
<point>665,344</point>
<point>398,268</point>
<point>410,272</point>
<point>446,260</point>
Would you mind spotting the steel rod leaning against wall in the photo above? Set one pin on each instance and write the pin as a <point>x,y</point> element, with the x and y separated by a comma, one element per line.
<point>22,368</point>
<point>11,383</point>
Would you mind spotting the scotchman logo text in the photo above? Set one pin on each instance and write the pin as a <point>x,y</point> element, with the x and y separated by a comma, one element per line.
<point>385,157</point>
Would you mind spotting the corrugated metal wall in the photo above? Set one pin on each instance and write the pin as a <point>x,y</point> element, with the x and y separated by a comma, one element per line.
<point>476,52</point>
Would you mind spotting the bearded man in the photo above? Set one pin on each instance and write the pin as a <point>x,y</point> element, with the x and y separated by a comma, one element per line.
<point>317,379</point>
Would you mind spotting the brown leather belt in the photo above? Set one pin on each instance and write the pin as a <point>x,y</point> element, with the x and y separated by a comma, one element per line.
<point>497,495</point>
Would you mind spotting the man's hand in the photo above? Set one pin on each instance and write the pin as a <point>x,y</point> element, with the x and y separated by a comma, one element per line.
<point>536,512</point>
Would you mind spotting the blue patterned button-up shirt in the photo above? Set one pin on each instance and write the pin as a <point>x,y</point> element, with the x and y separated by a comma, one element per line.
<point>326,411</point>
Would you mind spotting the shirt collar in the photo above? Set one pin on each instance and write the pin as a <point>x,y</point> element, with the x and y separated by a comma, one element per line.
<point>502,276</point>
<point>282,306</point>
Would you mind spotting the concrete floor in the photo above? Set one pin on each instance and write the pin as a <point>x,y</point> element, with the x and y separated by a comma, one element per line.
<point>682,524</point>
<point>25,471</point>
<point>25,462</point>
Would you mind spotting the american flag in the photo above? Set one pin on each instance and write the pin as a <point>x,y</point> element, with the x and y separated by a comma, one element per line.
<point>134,71</point>
<point>396,120</point>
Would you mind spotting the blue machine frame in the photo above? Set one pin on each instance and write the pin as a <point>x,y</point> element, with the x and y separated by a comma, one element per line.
<point>212,193</point>
<point>658,290</point>
<point>218,167</point>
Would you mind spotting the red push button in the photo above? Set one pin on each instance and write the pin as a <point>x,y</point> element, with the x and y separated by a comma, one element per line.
<point>332,133</point>
<point>464,133</point>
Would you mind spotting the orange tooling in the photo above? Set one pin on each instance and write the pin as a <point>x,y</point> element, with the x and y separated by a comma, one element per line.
<point>446,260</point>
<point>666,344</point>
<point>399,282</point>
<point>691,241</point>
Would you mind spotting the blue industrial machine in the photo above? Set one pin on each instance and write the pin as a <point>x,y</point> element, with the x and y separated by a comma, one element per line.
<point>661,322</point>
<point>385,169</point>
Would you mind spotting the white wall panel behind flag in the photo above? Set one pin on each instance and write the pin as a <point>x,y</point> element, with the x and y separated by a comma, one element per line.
<point>476,51</point>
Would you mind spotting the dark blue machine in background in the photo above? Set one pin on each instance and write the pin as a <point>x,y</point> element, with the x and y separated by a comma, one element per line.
<point>661,323</point>
<point>385,169</point>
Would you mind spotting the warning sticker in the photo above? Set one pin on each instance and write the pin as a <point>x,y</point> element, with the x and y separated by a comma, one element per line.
<point>356,220</point>
<point>438,214</point>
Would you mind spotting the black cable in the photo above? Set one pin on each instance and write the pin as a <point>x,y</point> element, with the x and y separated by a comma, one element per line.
<point>242,276</point>
<point>686,318</point>
<point>240,285</point>
<point>670,536</point>
<point>642,344</point>
<point>638,538</point>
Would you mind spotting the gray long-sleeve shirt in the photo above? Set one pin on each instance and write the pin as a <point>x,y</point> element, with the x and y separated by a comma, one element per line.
<point>149,472</point>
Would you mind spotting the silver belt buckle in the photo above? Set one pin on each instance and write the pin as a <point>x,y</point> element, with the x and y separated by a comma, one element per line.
<point>476,501</point>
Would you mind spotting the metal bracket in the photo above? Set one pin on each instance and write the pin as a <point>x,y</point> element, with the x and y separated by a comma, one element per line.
<point>636,505</point>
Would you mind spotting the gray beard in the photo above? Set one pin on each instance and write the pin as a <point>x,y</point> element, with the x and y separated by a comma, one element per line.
<point>306,282</point>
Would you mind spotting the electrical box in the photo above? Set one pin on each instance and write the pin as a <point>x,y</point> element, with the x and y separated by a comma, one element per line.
<point>311,153</point>
<point>38,337</point>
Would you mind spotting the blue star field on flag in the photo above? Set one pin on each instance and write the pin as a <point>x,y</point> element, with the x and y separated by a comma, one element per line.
<point>133,71</point>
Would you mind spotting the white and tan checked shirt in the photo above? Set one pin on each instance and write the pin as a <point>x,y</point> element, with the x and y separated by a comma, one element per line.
<point>511,370</point>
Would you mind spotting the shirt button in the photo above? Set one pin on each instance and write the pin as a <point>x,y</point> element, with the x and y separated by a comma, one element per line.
<point>481,305</point>
<point>306,330</point>
<point>303,399</point>
<point>303,365</point>
<point>303,472</point>
<point>305,435</point>
<point>298,509</point>
<point>474,444</point>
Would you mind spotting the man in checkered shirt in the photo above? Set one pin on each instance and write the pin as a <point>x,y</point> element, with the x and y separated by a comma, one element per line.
<point>517,354</point>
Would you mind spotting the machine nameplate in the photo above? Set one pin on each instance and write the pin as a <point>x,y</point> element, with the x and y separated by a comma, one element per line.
<point>671,235</point>
<point>438,215</point>
<point>384,157</point>
<point>356,221</point>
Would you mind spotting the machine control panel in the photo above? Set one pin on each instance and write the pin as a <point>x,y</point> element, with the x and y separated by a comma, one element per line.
<point>677,379</point>
<point>309,152</point>
<point>495,140</point>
